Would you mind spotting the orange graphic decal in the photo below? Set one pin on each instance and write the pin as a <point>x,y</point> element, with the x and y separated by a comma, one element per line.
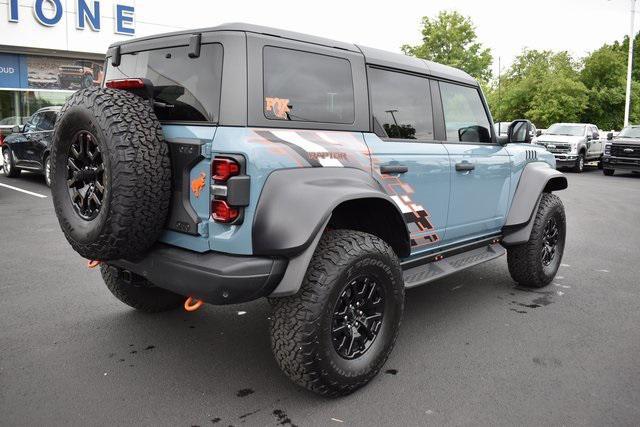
<point>197,185</point>
<point>279,106</point>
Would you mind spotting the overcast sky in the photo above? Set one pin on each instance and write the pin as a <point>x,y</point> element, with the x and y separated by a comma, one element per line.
<point>506,27</point>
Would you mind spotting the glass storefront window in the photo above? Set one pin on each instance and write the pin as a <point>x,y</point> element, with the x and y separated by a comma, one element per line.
<point>32,101</point>
<point>10,108</point>
<point>17,106</point>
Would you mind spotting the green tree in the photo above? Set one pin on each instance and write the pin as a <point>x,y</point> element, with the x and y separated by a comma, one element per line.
<point>451,39</point>
<point>541,86</point>
<point>604,74</point>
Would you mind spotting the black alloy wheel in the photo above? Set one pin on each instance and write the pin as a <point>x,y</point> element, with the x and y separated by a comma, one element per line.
<point>357,317</point>
<point>85,175</point>
<point>550,241</point>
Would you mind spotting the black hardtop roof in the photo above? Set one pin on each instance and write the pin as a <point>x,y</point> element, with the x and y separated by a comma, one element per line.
<point>372,56</point>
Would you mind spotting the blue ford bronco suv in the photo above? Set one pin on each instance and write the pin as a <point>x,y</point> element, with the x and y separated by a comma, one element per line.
<point>237,162</point>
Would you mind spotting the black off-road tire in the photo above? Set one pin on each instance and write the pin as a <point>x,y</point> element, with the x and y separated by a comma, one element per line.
<point>525,260</point>
<point>301,325</point>
<point>608,172</point>
<point>136,180</point>
<point>579,166</point>
<point>9,166</point>
<point>141,294</point>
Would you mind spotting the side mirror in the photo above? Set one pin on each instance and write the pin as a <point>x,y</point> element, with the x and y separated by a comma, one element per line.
<point>538,132</point>
<point>519,132</point>
<point>609,136</point>
<point>16,129</point>
<point>595,135</point>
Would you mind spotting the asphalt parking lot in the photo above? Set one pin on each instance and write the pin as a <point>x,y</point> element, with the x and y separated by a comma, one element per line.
<point>473,349</point>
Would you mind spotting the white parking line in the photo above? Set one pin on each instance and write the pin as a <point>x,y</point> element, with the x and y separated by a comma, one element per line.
<point>42,196</point>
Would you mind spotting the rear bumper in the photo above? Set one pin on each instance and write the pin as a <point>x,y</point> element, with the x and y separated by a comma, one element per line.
<point>625,163</point>
<point>213,277</point>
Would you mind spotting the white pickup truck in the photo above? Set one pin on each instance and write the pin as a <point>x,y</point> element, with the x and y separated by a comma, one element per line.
<point>573,144</point>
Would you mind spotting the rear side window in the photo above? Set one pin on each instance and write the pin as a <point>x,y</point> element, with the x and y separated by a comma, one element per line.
<point>185,89</point>
<point>401,105</point>
<point>47,121</point>
<point>307,87</point>
<point>464,114</point>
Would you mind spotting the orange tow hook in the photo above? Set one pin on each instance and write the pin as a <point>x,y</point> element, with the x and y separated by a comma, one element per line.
<point>192,304</point>
<point>92,263</point>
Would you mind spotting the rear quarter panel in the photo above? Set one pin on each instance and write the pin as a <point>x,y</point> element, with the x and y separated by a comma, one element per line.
<point>265,150</point>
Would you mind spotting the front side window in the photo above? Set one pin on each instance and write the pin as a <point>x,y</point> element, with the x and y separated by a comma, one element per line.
<point>464,114</point>
<point>307,87</point>
<point>184,88</point>
<point>401,105</point>
<point>32,124</point>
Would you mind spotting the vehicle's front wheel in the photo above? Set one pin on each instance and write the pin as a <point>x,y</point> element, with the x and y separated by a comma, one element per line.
<point>139,293</point>
<point>47,171</point>
<point>336,333</point>
<point>536,262</point>
<point>608,172</point>
<point>579,166</point>
<point>9,165</point>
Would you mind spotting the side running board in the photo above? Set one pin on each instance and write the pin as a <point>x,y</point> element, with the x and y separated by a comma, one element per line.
<point>422,274</point>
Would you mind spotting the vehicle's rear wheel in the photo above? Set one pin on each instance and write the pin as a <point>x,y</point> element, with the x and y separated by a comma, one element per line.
<point>110,174</point>
<point>608,172</point>
<point>336,333</point>
<point>138,292</point>
<point>536,262</point>
<point>579,166</point>
<point>9,165</point>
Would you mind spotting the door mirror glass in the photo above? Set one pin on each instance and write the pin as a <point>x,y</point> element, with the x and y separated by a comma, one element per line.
<point>15,129</point>
<point>609,136</point>
<point>538,132</point>
<point>519,132</point>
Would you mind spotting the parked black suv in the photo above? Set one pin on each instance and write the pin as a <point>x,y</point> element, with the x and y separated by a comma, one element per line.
<point>622,152</point>
<point>27,147</point>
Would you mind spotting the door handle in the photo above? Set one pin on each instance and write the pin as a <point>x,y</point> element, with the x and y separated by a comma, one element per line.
<point>386,169</point>
<point>465,166</point>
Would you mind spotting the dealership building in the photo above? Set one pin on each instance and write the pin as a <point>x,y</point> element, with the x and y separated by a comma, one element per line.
<point>50,48</point>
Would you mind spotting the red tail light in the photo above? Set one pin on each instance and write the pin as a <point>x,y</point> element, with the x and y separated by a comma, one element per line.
<point>223,169</point>
<point>1,140</point>
<point>222,212</point>
<point>125,84</point>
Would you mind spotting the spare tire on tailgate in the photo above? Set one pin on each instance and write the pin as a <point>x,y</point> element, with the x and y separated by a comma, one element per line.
<point>110,174</point>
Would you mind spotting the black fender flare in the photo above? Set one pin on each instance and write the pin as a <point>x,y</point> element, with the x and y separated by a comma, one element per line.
<point>295,205</point>
<point>536,178</point>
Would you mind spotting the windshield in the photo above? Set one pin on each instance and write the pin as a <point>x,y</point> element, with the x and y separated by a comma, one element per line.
<point>569,130</point>
<point>630,132</point>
